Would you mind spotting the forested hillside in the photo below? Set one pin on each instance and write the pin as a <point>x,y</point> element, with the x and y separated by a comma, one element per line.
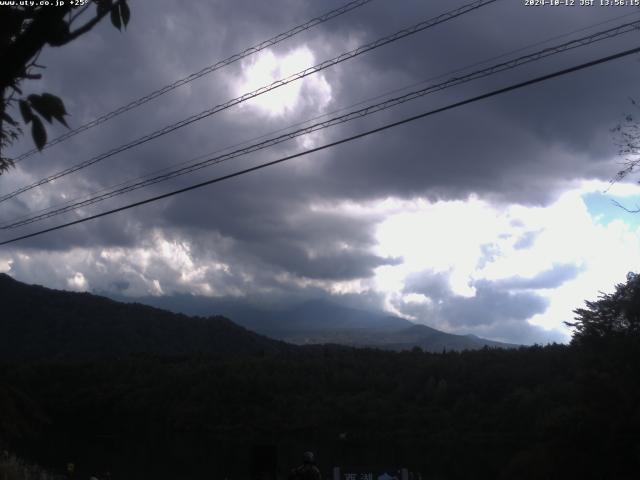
<point>40,323</point>
<point>560,411</point>
<point>534,411</point>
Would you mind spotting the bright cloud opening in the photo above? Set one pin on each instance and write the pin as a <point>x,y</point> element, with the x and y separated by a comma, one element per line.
<point>77,282</point>
<point>267,67</point>
<point>516,249</point>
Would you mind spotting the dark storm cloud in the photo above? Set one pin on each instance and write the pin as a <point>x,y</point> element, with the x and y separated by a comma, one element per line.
<point>525,147</point>
<point>509,144</point>
<point>128,77</point>
<point>316,245</point>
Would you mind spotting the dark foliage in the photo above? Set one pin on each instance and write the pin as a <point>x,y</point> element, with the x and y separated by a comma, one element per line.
<point>25,29</point>
<point>613,315</point>
<point>552,412</point>
<point>539,412</point>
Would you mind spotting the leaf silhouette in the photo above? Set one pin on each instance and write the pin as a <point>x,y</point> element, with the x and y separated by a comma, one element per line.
<point>55,106</point>
<point>25,111</point>
<point>125,13</point>
<point>115,18</point>
<point>49,107</point>
<point>40,106</point>
<point>39,133</point>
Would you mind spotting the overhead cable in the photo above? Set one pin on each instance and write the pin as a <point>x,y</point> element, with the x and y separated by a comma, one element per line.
<point>205,71</point>
<point>333,144</point>
<point>454,81</point>
<point>248,96</point>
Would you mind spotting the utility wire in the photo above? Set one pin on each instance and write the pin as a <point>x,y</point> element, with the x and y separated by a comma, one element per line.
<point>205,71</point>
<point>59,206</point>
<point>342,109</point>
<point>247,96</point>
<point>324,115</point>
<point>338,142</point>
<point>500,67</point>
<point>76,202</point>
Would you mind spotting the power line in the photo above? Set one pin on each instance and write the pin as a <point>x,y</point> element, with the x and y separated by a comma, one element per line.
<point>247,96</point>
<point>389,103</point>
<point>259,47</point>
<point>205,71</point>
<point>338,142</point>
<point>89,199</point>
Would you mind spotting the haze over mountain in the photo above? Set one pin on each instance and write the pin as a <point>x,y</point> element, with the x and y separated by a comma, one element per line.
<point>322,321</point>
<point>38,322</point>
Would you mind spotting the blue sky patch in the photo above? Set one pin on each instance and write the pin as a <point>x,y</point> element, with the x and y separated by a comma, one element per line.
<point>602,208</point>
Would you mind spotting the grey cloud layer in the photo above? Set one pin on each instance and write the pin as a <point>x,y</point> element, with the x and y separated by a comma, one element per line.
<point>524,147</point>
<point>495,310</point>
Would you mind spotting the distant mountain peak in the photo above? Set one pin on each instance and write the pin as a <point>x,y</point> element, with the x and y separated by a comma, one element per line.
<point>322,320</point>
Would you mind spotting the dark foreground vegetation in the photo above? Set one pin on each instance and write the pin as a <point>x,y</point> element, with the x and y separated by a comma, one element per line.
<point>14,468</point>
<point>539,412</point>
<point>552,412</point>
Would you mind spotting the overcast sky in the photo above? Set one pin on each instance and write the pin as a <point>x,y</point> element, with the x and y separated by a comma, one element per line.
<point>487,219</point>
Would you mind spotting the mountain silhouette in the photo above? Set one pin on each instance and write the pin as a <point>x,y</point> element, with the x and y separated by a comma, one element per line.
<point>320,321</point>
<point>38,322</point>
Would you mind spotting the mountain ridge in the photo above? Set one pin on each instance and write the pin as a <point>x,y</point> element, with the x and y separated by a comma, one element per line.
<point>322,321</point>
<point>45,323</point>
<point>39,322</point>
